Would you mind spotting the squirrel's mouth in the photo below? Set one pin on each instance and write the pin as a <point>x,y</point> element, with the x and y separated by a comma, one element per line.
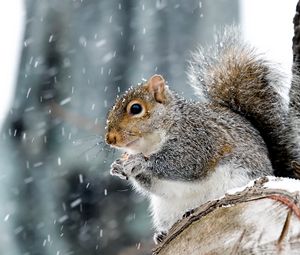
<point>147,144</point>
<point>132,142</point>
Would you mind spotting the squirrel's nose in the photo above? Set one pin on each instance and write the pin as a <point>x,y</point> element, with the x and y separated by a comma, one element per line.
<point>112,137</point>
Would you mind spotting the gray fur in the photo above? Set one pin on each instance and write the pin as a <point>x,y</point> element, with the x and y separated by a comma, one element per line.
<point>233,74</point>
<point>194,138</point>
<point>294,118</point>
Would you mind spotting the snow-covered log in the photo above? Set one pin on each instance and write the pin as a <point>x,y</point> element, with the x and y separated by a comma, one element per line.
<point>262,218</point>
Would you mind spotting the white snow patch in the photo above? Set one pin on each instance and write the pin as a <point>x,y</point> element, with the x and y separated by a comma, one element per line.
<point>288,184</point>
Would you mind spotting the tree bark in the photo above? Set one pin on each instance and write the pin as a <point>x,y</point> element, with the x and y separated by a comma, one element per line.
<point>264,218</point>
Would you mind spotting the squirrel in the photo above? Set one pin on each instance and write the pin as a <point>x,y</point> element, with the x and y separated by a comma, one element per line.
<point>182,153</point>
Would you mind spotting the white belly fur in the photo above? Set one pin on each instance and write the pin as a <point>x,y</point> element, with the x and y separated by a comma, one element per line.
<point>172,198</point>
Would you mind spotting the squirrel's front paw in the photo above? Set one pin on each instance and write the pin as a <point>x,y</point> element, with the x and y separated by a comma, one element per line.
<point>127,165</point>
<point>133,165</point>
<point>116,169</point>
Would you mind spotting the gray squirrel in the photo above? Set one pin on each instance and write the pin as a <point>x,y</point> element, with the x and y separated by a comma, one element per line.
<point>183,153</point>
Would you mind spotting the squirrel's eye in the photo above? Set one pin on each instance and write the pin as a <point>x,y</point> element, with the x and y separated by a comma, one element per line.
<point>136,109</point>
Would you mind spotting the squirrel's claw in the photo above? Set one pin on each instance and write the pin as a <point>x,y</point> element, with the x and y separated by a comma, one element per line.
<point>127,165</point>
<point>159,237</point>
<point>116,169</point>
<point>188,213</point>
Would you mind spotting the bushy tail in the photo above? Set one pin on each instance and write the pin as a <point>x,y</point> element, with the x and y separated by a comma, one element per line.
<point>294,114</point>
<point>294,117</point>
<point>232,74</point>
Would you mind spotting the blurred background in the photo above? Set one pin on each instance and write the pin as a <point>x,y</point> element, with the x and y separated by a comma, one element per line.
<point>62,64</point>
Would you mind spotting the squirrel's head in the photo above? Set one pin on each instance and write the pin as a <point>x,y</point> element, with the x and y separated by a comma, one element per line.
<point>137,121</point>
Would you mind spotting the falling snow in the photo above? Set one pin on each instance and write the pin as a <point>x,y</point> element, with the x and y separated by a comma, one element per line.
<point>74,58</point>
<point>76,202</point>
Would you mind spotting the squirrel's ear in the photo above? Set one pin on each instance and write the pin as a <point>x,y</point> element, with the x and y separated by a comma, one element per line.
<point>156,86</point>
